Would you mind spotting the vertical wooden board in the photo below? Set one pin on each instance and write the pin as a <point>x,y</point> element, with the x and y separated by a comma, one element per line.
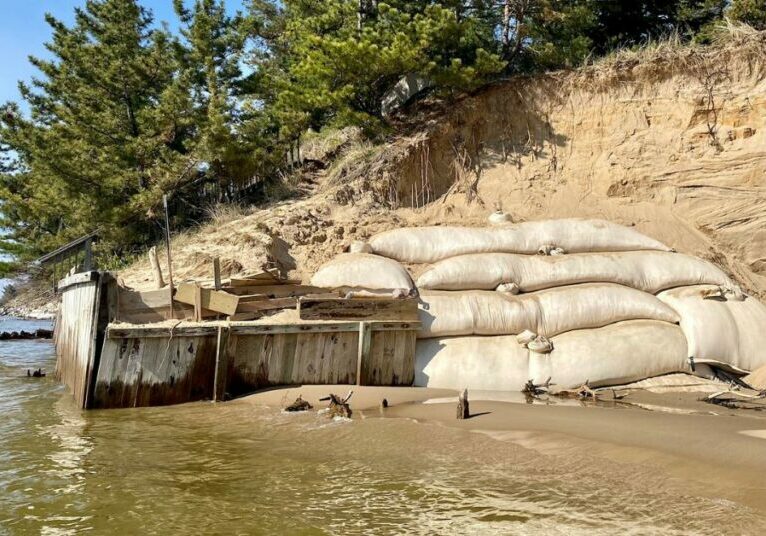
<point>391,358</point>
<point>134,371</point>
<point>289,348</point>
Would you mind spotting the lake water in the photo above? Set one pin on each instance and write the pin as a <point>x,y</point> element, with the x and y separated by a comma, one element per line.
<point>236,469</point>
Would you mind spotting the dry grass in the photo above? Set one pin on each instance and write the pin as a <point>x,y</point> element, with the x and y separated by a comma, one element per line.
<point>223,213</point>
<point>327,143</point>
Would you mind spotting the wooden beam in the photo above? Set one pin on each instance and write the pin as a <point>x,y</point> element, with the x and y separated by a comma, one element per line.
<point>217,273</point>
<point>267,305</point>
<point>363,353</point>
<point>160,331</point>
<point>132,300</point>
<point>198,303</point>
<point>275,290</point>
<point>212,300</point>
<point>77,279</point>
<point>358,309</point>
<point>244,328</point>
<point>159,282</point>
<point>221,363</point>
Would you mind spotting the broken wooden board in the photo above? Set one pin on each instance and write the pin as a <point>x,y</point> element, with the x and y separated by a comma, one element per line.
<point>275,291</point>
<point>267,305</point>
<point>211,300</point>
<point>140,307</point>
<point>358,309</point>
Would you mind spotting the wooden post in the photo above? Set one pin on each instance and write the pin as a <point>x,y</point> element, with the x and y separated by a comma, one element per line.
<point>159,282</point>
<point>365,337</point>
<point>88,260</point>
<point>170,259</point>
<point>197,302</point>
<point>221,364</point>
<point>462,405</point>
<point>217,273</point>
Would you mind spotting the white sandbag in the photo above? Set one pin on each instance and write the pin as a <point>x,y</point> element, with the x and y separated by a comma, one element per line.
<point>431,244</point>
<point>612,355</point>
<point>721,327</point>
<point>509,288</point>
<point>499,218</point>
<point>362,271</point>
<point>359,246</point>
<point>615,354</point>
<point>486,363</point>
<point>525,337</point>
<point>650,271</point>
<point>548,312</point>
<point>540,345</point>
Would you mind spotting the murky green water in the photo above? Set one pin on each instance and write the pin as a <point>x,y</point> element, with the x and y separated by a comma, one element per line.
<point>234,469</point>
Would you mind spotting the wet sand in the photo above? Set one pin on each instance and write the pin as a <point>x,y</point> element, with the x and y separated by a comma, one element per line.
<point>705,450</point>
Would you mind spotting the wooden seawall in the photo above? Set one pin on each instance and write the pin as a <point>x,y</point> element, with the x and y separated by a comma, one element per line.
<point>117,365</point>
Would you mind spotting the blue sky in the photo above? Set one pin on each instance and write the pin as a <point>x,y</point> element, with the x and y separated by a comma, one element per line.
<point>23,32</point>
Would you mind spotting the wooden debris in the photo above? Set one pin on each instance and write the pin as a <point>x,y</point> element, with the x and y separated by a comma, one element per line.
<point>582,392</point>
<point>159,282</point>
<point>275,290</point>
<point>737,400</point>
<point>534,390</point>
<point>463,410</point>
<point>338,406</point>
<point>299,405</point>
<point>211,300</point>
<point>267,305</point>
<point>36,374</point>
<point>358,309</point>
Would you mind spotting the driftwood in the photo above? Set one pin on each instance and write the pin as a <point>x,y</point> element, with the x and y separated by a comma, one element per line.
<point>338,406</point>
<point>582,392</point>
<point>36,374</point>
<point>534,390</point>
<point>735,400</point>
<point>463,410</point>
<point>299,405</point>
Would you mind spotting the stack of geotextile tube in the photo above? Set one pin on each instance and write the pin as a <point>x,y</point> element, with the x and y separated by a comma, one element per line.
<point>570,300</point>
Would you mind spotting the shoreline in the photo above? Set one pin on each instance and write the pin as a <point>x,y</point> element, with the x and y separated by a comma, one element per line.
<point>704,450</point>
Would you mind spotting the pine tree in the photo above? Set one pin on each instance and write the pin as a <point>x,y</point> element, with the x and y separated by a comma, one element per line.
<point>214,45</point>
<point>752,12</point>
<point>106,132</point>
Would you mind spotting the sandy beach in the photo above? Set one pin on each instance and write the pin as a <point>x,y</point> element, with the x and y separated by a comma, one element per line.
<point>706,450</point>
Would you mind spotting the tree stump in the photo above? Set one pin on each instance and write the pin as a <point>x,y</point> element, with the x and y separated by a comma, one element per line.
<point>463,411</point>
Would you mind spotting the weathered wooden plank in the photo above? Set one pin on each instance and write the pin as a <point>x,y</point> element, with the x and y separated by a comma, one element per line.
<point>127,332</point>
<point>217,273</point>
<point>77,279</point>
<point>365,337</point>
<point>261,279</point>
<point>391,359</point>
<point>77,333</point>
<point>267,305</point>
<point>221,363</point>
<point>358,309</point>
<point>212,300</point>
<point>133,300</point>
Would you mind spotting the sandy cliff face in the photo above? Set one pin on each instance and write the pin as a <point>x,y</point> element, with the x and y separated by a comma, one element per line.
<point>673,142</point>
